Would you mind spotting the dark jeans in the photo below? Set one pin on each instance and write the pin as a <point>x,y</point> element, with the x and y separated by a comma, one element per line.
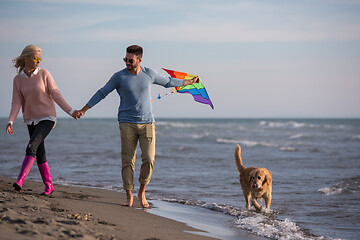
<point>38,133</point>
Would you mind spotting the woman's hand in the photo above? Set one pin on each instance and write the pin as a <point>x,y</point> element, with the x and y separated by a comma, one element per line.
<point>9,128</point>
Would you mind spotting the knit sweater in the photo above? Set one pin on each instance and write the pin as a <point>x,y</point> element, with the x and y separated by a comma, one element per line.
<point>36,95</point>
<point>135,93</point>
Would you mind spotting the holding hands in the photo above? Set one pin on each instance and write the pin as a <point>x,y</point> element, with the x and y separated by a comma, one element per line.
<point>77,114</point>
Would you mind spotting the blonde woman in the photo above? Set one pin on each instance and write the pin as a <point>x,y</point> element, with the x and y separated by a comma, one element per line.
<point>35,91</point>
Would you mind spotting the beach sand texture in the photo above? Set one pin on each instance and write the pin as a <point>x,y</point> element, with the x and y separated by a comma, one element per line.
<point>80,213</point>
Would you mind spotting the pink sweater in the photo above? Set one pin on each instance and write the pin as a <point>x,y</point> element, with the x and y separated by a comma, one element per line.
<point>36,96</point>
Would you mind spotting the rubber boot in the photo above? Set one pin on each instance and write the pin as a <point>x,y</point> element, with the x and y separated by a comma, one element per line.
<point>46,177</point>
<point>25,169</point>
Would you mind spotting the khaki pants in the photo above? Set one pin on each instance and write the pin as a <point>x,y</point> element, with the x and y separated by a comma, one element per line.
<point>131,133</point>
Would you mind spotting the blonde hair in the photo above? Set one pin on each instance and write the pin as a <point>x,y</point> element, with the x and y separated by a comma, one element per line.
<point>19,62</point>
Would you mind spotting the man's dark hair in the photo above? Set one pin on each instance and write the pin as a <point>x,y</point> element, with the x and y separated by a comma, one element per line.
<point>135,49</point>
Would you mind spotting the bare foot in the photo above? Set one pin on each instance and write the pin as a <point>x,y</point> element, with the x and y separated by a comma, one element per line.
<point>143,202</point>
<point>130,199</point>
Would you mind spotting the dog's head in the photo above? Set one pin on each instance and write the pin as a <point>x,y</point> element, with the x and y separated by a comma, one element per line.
<point>258,178</point>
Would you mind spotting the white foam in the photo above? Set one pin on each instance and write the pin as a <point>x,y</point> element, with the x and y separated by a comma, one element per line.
<point>258,143</point>
<point>346,186</point>
<point>357,137</point>
<point>177,124</point>
<point>296,136</point>
<point>294,124</point>
<point>291,124</point>
<point>328,191</point>
<point>62,181</point>
<point>229,210</point>
<point>274,229</point>
<point>200,136</point>
<point>288,149</point>
<point>247,143</point>
<point>187,124</point>
<point>261,224</point>
<point>224,140</point>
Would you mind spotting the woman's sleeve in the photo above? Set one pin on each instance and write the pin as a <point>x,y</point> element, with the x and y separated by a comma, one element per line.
<point>56,95</point>
<point>16,102</point>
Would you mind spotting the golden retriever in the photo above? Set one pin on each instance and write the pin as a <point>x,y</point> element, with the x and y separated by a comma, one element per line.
<point>255,182</point>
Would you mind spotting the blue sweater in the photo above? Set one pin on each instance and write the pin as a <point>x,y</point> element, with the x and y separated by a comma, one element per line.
<point>135,93</point>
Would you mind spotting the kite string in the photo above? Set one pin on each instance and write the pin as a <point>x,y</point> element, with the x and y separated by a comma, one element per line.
<point>159,96</point>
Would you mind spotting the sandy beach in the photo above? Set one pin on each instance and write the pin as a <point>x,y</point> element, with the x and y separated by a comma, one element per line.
<point>80,213</point>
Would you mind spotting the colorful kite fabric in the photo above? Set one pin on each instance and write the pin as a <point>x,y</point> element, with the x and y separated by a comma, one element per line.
<point>197,90</point>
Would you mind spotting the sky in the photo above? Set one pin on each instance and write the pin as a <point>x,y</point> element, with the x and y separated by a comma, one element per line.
<point>257,59</point>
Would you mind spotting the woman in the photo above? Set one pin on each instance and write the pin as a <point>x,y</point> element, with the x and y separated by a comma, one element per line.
<point>34,90</point>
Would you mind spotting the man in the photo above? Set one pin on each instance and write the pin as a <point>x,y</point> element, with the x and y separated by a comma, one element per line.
<point>136,120</point>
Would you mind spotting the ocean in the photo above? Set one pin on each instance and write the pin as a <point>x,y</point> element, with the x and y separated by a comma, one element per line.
<point>315,166</point>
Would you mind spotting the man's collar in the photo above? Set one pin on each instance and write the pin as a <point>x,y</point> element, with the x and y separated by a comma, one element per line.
<point>22,73</point>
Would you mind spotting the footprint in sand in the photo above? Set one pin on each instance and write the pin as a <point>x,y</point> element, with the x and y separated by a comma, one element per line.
<point>73,233</point>
<point>27,232</point>
<point>68,222</point>
<point>41,221</point>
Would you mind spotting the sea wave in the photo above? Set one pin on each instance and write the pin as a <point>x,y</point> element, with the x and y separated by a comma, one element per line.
<point>297,136</point>
<point>200,136</point>
<point>226,140</point>
<point>347,186</point>
<point>296,125</point>
<point>288,149</point>
<point>258,143</point>
<point>330,190</point>
<point>357,137</point>
<point>63,181</point>
<point>248,143</point>
<point>265,225</point>
<point>177,124</point>
<point>184,149</point>
<point>273,229</point>
<point>187,125</point>
<point>287,124</point>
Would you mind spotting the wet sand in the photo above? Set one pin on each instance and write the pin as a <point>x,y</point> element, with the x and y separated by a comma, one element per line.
<point>80,213</point>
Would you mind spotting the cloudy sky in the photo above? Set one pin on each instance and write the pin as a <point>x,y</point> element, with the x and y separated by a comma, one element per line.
<point>270,58</point>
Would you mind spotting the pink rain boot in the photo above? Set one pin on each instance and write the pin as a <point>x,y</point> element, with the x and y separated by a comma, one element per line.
<point>25,169</point>
<point>46,177</point>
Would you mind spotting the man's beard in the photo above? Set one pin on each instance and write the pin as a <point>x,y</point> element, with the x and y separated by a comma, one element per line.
<point>132,67</point>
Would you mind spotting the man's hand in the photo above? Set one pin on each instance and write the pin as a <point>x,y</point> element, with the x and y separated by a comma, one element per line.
<point>83,111</point>
<point>77,114</point>
<point>191,81</point>
<point>80,113</point>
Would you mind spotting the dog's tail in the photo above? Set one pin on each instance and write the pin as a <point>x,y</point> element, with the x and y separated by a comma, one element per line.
<point>238,161</point>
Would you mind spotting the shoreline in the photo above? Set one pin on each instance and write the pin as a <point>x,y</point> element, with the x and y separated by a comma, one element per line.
<point>81,213</point>
<point>212,223</point>
<point>92,213</point>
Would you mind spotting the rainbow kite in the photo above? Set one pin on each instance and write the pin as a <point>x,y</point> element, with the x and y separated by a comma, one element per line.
<point>197,90</point>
